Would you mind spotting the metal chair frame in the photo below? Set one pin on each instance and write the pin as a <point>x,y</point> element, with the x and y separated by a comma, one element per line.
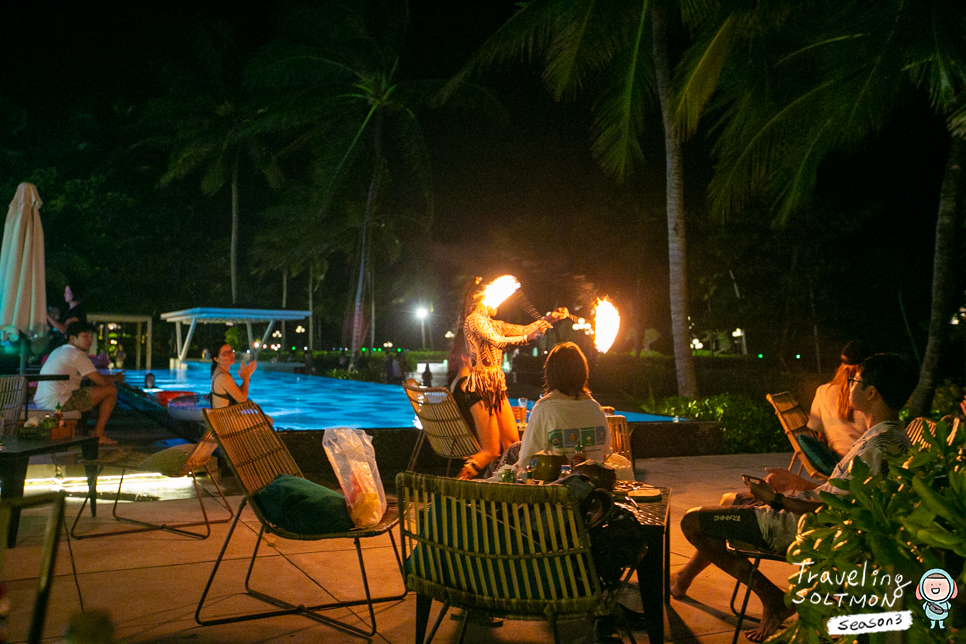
<point>13,393</point>
<point>197,460</point>
<point>795,423</point>
<point>756,555</point>
<point>55,523</point>
<point>441,423</point>
<point>257,456</point>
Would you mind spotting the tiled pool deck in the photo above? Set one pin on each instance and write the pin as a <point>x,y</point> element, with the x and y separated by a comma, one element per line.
<point>150,583</point>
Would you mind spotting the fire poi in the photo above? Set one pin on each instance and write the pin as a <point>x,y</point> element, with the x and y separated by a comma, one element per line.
<point>607,322</point>
<point>498,290</point>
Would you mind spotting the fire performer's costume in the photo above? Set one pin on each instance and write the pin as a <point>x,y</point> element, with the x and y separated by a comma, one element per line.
<point>486,339</point>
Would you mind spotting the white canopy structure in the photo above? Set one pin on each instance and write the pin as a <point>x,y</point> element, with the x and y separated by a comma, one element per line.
<point>95,318</point>
<point>230,317</point>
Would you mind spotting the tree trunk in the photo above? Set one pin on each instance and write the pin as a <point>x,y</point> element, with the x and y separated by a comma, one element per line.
<point>683,361</point>
<point>234,232</point>
<point>311,313</point>
<point>943,279</point>
<point>358,311</point>
<point>284,303</point>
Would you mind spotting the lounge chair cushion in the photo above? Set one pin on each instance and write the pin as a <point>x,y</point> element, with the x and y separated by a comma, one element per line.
<point>819,454</point>
<point>168,461</point>
<point>303,507</point>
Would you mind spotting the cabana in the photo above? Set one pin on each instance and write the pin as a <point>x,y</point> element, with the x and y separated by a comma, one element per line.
<point>97,318</point>
<point>229,317</point>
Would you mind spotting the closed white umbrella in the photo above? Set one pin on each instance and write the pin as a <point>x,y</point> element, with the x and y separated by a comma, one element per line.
<point>23,288</point>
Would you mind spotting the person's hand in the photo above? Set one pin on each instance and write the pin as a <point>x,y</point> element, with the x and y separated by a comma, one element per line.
<point>559,314</point>
<point>783,481</point>
<point>246,370</point>
<point>542,326</point>
<point>761,490</point>
<point>119,376</point>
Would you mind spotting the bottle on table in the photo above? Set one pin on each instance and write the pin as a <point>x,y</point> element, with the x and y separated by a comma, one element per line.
<point>59,416</point>
<point>579,456</point>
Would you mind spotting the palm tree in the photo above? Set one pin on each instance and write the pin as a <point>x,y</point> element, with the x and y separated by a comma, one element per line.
<point>620,47</point>
<point>795,81</point>
<point>215,124</point>
<point>348,103</point>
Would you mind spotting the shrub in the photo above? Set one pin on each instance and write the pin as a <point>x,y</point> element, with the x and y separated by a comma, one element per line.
<point>748,427</point>
<point>904,521</point>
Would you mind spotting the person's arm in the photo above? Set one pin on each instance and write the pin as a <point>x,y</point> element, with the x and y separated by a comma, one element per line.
<point>57,325</point>
<point>497,332</point>
<point>785,482</point>
<point>102,379</point>
<point>764,493</point>
<point>238,394</point>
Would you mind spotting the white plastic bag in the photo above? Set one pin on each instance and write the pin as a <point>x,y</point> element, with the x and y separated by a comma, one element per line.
<point>354,460</point>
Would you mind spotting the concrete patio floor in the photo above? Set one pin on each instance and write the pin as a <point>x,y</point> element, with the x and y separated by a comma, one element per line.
<point>151,582</point>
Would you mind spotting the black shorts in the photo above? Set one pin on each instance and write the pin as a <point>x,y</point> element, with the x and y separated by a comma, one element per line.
<point>465,399</point>
<point>738,522</point>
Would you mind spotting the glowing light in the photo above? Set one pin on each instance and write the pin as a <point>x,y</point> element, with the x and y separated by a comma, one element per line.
<point>607,322</point>
<point>277,334</point>
<point>498,290</point>
<point>737,333</point>
<point>697,344</point>
<point>387,345</point>
<point>421,313</point>
<point>300,329</point>
<point>449,335</point>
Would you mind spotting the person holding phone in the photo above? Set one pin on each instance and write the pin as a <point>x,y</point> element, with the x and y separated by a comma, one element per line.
<point>768,517</point>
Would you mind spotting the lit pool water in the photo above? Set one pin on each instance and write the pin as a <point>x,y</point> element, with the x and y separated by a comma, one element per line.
<point>312,402</point>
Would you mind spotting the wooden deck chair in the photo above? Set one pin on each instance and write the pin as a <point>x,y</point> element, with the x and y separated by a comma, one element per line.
<point>257,456</point>
<point>794,421</point>
<point>620,437</point>
<point>13,391</point>
<point>55,523</point>
<point>175,462</point>
<point>513,552</point>
<point>441,423</point>
<point>917,426</point>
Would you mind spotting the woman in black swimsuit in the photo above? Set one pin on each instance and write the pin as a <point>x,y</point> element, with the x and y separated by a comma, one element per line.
<point>224,391</point>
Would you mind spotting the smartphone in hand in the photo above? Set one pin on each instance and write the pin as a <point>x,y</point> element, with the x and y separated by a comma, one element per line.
<point>749,479</point>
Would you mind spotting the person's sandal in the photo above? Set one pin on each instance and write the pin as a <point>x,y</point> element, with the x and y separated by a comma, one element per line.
<point>469,472</point>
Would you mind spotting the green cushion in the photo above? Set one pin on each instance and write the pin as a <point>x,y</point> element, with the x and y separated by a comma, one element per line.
<point>169,461</point>
<point>819,454</point>
<point>303,507</point>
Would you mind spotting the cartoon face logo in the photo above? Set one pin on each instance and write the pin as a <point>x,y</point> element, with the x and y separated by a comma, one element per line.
<point>936,588</point>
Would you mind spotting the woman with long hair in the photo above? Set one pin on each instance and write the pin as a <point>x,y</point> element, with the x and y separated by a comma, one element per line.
<point>832,414</point>
<point>224,391</point>
<point>566,413</point>
<point>485,385</point>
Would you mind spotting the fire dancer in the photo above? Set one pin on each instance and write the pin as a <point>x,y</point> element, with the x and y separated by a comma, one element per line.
<point>485,386</point>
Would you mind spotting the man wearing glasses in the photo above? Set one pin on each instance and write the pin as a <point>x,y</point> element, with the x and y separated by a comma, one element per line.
<point>768,517</point>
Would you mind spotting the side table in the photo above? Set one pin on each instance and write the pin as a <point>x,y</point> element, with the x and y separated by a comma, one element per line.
<point>15,453</point>
<point>654,570</point>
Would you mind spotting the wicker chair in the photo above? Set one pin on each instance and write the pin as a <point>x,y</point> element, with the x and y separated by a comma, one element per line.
<point>916,427</point>
<point>794,421</point>
<point>257,456</point>
<point>174,462</point>
<point>55,522</point>
<point>442,423</point>
<point>13,390</point>
<point>487,548</point>
<point>621,437</point>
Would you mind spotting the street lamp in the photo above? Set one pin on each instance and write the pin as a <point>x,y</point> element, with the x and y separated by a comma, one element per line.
<point>421,313</point>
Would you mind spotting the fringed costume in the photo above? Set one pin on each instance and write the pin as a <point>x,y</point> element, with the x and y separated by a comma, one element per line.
<point>486,339</point>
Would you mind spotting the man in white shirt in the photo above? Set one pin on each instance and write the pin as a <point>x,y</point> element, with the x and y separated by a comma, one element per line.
<point>72,360</point>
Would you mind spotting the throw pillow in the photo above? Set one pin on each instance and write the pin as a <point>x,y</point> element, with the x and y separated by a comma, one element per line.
<point>303,507</point>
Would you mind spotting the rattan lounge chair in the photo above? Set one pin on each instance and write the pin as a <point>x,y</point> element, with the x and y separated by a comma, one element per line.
<point>442,423</point>
<point>174,462</point>
<point>794,421</point>
<point>489,548</point>
<point>620,437</point>
<point>13,390</point>
<point>257,456</point>
<point>917,426</point>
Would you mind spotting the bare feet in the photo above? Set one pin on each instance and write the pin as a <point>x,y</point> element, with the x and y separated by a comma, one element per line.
<point>770,623</point>
<point>104,440</point>
<point>679,589</point>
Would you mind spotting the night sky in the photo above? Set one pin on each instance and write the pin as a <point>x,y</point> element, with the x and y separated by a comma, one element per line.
<point>522,195</point>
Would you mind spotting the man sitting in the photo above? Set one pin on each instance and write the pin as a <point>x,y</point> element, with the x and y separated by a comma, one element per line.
<point>768,518</point>
<point>72,360</point>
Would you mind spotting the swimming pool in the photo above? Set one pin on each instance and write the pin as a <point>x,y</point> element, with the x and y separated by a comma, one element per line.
<point>312,402</point>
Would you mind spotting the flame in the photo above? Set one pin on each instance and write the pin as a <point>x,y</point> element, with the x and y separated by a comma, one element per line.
<point>607,321</point>
<point>499,289</point>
